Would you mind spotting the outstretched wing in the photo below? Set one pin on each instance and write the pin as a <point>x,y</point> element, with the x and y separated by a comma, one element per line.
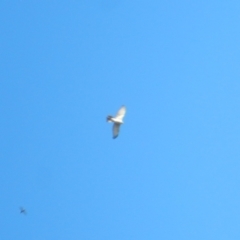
<point>121,113</point>
<point>116,127</point>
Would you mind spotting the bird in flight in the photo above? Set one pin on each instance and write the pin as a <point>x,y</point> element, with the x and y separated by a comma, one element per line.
<point>117,120</point>
<point>23,211</point>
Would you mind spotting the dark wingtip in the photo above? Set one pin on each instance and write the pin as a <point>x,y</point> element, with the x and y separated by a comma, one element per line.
<point>114,137</point>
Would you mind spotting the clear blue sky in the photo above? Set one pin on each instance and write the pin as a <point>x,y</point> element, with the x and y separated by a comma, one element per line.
<point>173,172</point>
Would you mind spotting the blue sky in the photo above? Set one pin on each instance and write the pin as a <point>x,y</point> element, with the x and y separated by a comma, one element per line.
<point>173,172</point>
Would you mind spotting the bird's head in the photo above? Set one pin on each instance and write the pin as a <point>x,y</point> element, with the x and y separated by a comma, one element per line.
<point>109,118</point>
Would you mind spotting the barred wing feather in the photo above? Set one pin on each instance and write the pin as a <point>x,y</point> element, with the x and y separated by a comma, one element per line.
<point>116,127</point>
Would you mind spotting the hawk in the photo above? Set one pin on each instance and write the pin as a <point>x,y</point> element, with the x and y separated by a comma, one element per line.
<point>117,120</point>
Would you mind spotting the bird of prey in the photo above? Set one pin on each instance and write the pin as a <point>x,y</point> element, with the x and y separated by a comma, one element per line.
<point>23,211</point>
<point>117,120</point>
